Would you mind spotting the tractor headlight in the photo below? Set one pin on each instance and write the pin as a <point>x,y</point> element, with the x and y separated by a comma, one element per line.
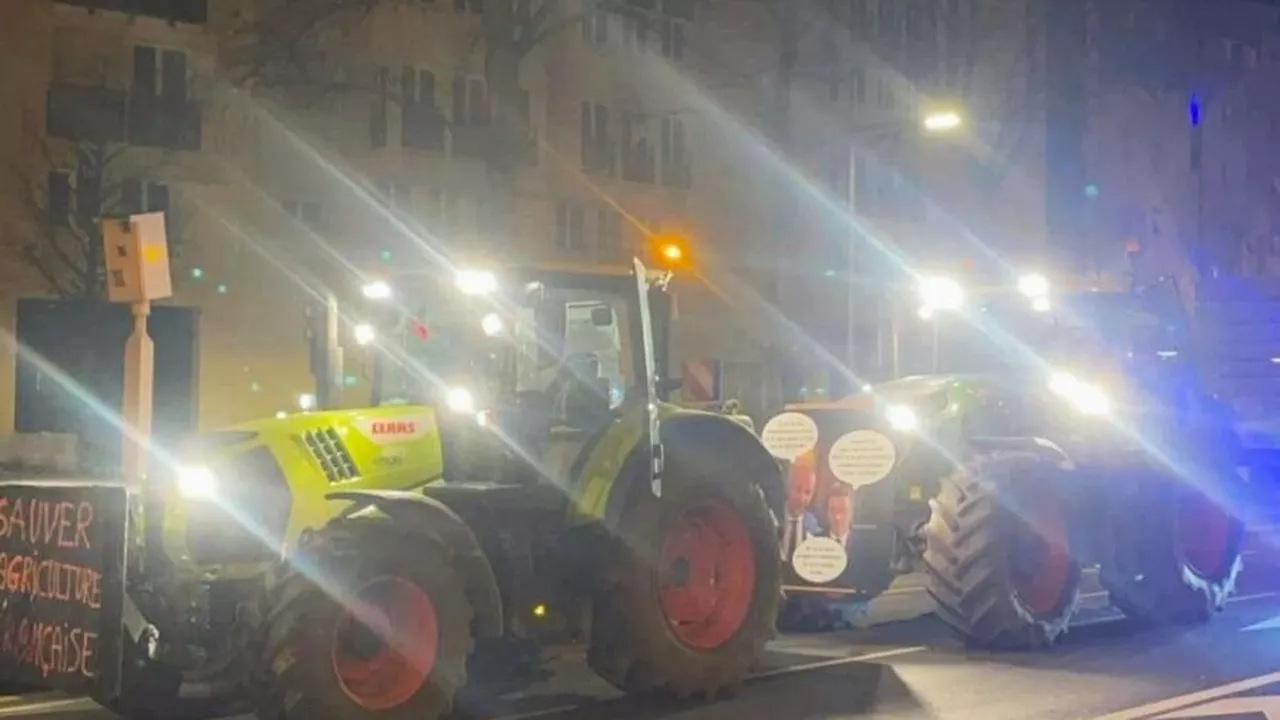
<point>476,282</point>
<point>460,400</point>
<point>1086,398</point>
<point>197,482</point>
<point>492,325</point>
<point>902,417</point>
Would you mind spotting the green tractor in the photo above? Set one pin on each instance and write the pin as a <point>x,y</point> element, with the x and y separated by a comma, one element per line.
<point>1042,434</point>
<point>522,485</point>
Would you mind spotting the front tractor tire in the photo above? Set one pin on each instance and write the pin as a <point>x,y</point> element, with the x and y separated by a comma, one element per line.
<point>692,585</point>
<point>1177,554</point>
<point>373,623</point>
<point>997,550</point>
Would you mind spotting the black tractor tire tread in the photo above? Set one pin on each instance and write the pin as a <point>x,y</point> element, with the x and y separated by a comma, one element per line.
<point>1169,592</point>
<point>631,645</point>
<point>965,560</point>
<point>298,608</point>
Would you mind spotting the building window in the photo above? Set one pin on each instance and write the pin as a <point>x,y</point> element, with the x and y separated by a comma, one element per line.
<point>421,125</point>
<point>672,39</point>
<point>597,148</point>
<point>162,73</point>
<point>570,219</point>
<point>637,151</point>
<point>595,25</point>
<point>635,33</point>
<point>143,196</point>
<point>137,196</point>
<point>470,101</point>
<point>308,212</point>
<point>674,154</point>
<point>378,113</point>
<point>58,198</point>
<point>608,231</point>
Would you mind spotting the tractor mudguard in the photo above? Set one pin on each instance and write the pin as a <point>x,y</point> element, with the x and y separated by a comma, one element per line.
<point>724,438</point>
<point>419,512</point>
<point>1046,449</point>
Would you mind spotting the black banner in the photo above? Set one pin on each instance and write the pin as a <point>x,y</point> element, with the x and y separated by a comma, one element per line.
<point>62,559</point>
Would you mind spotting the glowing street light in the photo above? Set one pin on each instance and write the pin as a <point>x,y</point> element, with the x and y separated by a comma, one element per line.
<point>943,121</point>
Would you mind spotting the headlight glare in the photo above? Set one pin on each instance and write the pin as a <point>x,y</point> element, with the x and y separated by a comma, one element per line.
<point>1087,398</point>
<point>901,417</point>
<point>196,482</point>
<point>460,400</point>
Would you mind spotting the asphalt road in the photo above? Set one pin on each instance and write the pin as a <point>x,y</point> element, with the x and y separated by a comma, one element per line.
<point>1106,669</point>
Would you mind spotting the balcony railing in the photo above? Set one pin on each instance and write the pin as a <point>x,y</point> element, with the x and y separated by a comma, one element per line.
<point>470,140</point>
<point>93,114</point>
<point>638,165</point>
<point>97,114</point>
<point>678,175</point>
<point>600,158</point>
<point>187,11</point>
<point>422,128</point>
<point>158,121</point>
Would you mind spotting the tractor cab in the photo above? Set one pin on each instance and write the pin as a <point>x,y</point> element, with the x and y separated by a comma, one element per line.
<point>1033,323</point>
<point>538,360</point>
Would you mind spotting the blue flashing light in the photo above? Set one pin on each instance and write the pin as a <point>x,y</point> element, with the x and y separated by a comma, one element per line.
<point>1193,110</point>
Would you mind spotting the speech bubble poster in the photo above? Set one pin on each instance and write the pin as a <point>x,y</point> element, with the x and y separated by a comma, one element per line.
<point>825,474</point>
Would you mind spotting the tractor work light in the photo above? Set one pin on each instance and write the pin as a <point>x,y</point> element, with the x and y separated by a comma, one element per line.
<point>460,400</point>
<point>376,290</point>
<point>476,282</point>
<point>492,325</point>
<point>364,333</point>
<point>196,482</point>
<point>939,293</point>
<point>901,417</point>
<point>1033,285</point>
<point>1086,398</point>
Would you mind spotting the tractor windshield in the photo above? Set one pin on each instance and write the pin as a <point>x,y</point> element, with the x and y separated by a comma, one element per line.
<point>572,336</point>
<point>565,337</point>
<point>432,352</point>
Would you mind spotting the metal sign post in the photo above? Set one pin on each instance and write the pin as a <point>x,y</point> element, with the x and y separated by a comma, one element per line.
<point>137,255</point>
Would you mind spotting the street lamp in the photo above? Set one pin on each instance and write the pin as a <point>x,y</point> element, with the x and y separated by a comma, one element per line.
<point>940,122</point>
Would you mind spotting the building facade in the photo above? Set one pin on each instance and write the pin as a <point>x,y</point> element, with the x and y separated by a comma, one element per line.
<point>305,151</point>
<point>1197,185</point>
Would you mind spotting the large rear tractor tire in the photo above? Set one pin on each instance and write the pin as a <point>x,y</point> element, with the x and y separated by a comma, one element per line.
<point>372,624</point>
<point>692,588</point>
<point>1177,555</point>
<point>998,553</point>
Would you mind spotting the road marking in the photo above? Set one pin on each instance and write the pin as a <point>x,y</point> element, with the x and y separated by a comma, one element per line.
<point>778,672</point>
<point>1183,701</point>
<point>46,706</point>
<point>792,669</point>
